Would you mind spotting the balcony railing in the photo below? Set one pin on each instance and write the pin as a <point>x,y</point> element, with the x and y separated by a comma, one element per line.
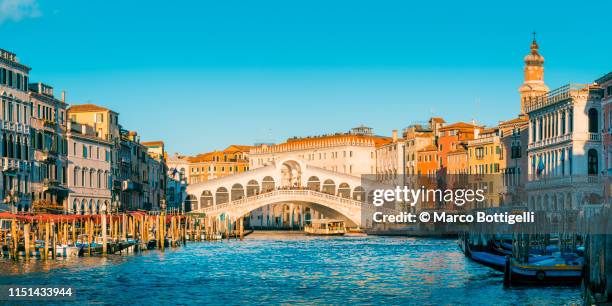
<point>553,96</point>
<point>563,181</point>
<point>549,141</point>
<point>594,137</point>
<point>13,165</point>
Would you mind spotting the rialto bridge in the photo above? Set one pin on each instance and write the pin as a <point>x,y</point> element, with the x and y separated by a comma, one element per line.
<point>335,195</point>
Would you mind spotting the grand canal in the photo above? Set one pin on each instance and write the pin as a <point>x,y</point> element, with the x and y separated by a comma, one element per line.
<point>287,268</point>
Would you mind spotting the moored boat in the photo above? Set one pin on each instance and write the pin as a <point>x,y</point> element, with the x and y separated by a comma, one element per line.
<point>325,227</point>
<point>558,269</point>
<point>66,251</point>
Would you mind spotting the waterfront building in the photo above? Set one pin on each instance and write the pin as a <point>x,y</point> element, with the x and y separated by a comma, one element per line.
<point>50,148</point>
<point>157,172</point>
<point>564,146</point>
<point>180,164</point>
<point>105,123</point>
<point>133,173</point>
<point>605,83</point>
<point>427,161</point>
<point>390,159</point>
<point>211,165</point>
<point>89,170</point>
<point>514,138</point>
<point>450,138</point>
<point>352,153</point>
<point>457,161</point>
<point>15,134</point>
<point>484,152</point>
<point>417,137</point>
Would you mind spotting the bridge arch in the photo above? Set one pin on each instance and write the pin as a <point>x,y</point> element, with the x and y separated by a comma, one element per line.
<point>359,193</point>
<point>237,192</point>
<point>221,195</point>
<point>329,187</point>
<point>291,173</point>
<point>314,183</point>
<point>252,188</point>
<point>267,184</point>
<point>331,206</point>
<point>206,199</point>
<point>344,190</point>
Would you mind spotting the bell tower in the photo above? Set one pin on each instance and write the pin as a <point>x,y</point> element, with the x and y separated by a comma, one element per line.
<point>533,84</point>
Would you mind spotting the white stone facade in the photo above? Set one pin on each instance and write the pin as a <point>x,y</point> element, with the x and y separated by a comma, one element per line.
<point>89,171</point>
<point>15,153</point>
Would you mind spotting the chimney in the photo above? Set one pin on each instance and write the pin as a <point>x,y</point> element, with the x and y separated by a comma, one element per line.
<point>394,135</point>
<point>63,96</point>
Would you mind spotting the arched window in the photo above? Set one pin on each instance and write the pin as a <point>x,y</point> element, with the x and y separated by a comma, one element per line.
<point>592,162</point>
<point>593,121</point>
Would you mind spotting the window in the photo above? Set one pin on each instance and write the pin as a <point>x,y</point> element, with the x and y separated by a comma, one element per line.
<point>592,161</point>
<point>563,123</point>
<point>84,151</point>
<point>593,121</point>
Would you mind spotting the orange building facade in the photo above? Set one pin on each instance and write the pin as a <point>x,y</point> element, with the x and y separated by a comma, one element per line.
<point>211,165</point>
<point>451,137</point>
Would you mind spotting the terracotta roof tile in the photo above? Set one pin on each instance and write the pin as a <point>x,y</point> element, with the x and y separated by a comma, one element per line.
<point>83,108</point>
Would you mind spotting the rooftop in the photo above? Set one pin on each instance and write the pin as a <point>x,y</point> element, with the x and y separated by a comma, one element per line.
<point>85,108</point>
<point>604,78</point>
<point>459,125</point>
<point>157,143</point>
<point>555,95</point>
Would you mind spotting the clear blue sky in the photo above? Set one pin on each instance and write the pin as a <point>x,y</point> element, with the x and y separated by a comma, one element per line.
<point>201,75</point>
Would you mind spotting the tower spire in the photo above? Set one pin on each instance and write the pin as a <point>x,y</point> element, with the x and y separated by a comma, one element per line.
<point>533,84</point>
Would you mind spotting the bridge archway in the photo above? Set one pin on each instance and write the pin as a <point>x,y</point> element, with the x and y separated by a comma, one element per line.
<point>314,183</point>
<point>291,173</point>
<point>344,190</point>
<point>221,195</point>
<point>206,199</point>
<point>329,187</point>
<point>328,206</point>
<point>252,188</point>
<point>237,192</point>
<point>267,184</point>
<point>359,193</point>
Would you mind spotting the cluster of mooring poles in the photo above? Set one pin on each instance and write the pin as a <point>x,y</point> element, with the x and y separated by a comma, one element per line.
<point>54,235</point>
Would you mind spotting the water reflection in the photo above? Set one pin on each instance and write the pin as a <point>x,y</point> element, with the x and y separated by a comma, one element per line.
<point>287,269</point>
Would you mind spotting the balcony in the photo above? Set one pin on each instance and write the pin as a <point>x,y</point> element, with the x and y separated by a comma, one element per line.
<point>594,137</point>
<point>131,186</point>
<point>48,156</point>
<point>549,141</point>
<point>49,123</point>
<point>52,185</point>
<point>13,165</point>
<point>15,127</point>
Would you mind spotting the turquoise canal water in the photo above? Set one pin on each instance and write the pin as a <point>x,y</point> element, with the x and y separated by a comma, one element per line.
<point>274,268</point>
